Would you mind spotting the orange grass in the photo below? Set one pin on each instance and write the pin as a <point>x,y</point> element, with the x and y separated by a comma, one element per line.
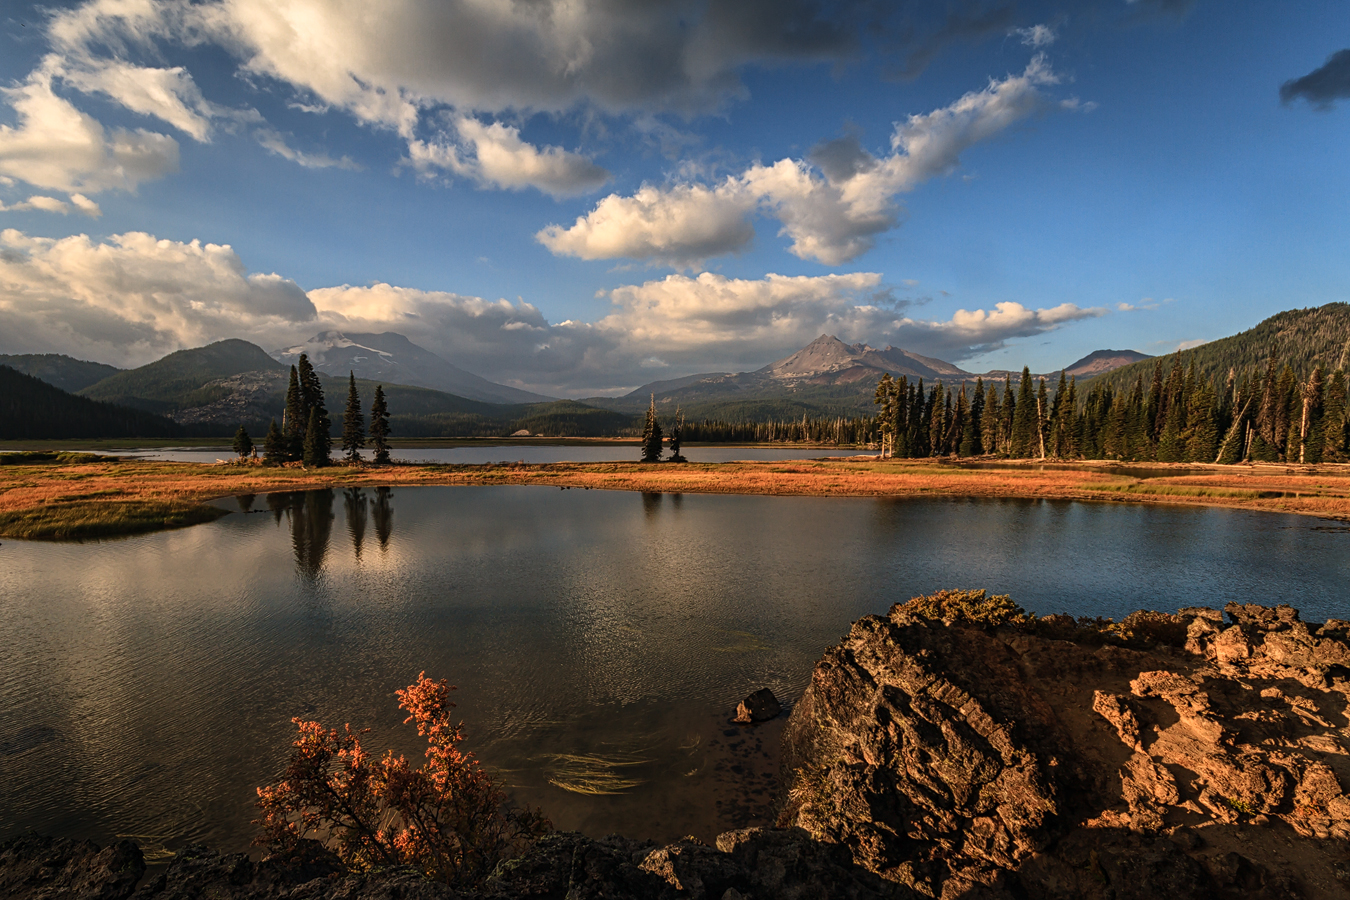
<point>55,500</point>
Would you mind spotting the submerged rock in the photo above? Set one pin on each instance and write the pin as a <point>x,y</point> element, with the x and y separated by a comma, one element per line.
<point>1009,756</point>
<point>761,706</point>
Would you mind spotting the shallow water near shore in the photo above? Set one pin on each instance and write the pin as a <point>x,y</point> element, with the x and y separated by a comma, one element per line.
<point>599,640</point>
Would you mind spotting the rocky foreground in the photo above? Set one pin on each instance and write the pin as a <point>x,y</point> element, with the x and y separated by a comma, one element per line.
<point>955,748</point>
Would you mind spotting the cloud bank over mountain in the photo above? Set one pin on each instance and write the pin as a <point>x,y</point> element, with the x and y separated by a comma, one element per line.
<point>133,298</point>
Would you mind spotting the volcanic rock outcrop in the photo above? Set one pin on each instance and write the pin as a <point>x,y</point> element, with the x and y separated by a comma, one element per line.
<point>964,749</point>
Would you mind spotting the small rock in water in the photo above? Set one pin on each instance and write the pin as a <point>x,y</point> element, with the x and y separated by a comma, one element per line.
<point>761,706</point>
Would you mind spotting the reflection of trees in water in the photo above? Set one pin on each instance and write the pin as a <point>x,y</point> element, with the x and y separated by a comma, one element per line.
<point>354,501</point>
<point>311,516</point>
<point>278,504</point>
<point>311,523</point>
<point>246,502</point>
<point>382,511</point>
<point>651,504</point>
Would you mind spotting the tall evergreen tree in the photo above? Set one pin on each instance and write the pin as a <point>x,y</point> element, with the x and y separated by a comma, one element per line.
<point>885,398</point>
<point>1042,419</point>
<point>1333,419</point>
<point>651,435</point>
<point>243,444</point>
<point>1024,419</point>
<point>379,427</point>
<point>312,404</point>
<point>1202,424</point>
<point>1310,438</point>
<point>275,448</point>
<point>972,443</point>
<point>353,424</point>
<point>294,419</point>
<point>317,442</point>
<point>990,419</point>
<point>1005,427</point>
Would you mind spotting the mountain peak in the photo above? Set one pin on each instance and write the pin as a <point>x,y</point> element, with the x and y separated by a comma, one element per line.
<point>1099,361</point>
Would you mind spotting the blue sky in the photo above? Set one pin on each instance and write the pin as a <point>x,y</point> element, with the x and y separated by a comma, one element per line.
<point>580,197</point>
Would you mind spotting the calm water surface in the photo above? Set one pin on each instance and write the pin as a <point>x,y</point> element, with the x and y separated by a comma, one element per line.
<point>599,639</point>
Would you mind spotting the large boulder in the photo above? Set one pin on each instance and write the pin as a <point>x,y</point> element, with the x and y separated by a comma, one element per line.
<point>962,748</point>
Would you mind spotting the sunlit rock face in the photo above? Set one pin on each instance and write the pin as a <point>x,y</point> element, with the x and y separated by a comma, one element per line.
<point>1176,756</point>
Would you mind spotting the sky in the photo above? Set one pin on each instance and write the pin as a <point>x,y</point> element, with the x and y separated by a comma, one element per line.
<point>578,197</point>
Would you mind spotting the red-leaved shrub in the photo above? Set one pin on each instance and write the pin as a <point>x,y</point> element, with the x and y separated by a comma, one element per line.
<point>447,817</point>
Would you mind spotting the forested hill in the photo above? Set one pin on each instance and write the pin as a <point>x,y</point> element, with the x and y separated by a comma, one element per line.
<point>30,408</point>
<point>1301,338</point>
<point>66,372</point>
<point>160,386</point>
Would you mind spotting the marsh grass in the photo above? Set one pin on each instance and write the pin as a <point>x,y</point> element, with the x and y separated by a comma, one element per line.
<point>75,496</point>
<point>83,519</point>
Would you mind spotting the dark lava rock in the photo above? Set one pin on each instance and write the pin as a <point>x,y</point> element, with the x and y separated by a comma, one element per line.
<point>34,867</point>
<point>761,706</point>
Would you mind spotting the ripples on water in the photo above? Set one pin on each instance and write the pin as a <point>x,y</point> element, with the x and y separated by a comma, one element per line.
<point>600,640</point>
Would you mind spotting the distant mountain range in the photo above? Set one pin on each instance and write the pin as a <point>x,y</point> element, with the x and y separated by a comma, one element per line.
<point>827,375</point>
<point>392,358</point>
<point>215,388</point>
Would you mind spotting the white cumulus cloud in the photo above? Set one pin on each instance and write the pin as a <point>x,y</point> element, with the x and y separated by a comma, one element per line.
<point>494,155</point>
<point>132,298</point>
<point>831,208</point>
<point>55,146</point>
<point>679,225</point>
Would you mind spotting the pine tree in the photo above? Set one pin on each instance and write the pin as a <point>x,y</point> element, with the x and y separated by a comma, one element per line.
<point>1202,425</point>
<point>275,449</point>
<point>316,442</point>
<point>1070,448</point>
<point>989,421</point>
<point>651,436</point>
<point>885,398</point>
<point>353,425</point>
<point>1005,426</point>
<point>243,444</point>
<point>1024,419</point>
<point>1042,421</point>
<point>294,419</point>
<point>311,398</point>
<point>379,427</point>
<point>1172,443</point>
<point>1333,419</point>
<point>1310,440</point>
<point>972,443</point>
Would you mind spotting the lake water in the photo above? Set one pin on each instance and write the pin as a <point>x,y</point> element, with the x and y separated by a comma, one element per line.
<point>477,454</point>
<point>600,640</point>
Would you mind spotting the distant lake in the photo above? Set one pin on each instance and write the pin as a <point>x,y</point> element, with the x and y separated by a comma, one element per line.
<point>600,640</point>
<point>534,453</point>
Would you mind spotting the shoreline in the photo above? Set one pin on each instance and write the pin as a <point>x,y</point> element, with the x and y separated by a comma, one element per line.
<point>90,500</point>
